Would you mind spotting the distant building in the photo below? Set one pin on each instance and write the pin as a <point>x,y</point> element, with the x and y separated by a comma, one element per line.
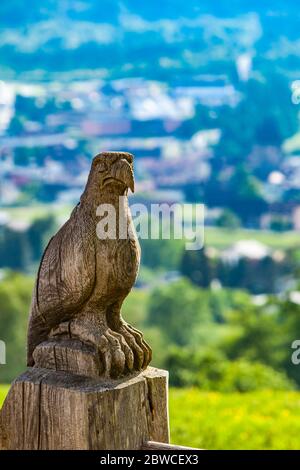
<point>115,127</point>
<point>4,218</point>
<point>7,101</point>
<point>19,225</point>
<point>9,192</point>
<point>251,249</point>
<point>296,218</point>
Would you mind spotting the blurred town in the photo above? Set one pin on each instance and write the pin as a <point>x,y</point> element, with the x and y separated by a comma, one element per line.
<point>50,131</point>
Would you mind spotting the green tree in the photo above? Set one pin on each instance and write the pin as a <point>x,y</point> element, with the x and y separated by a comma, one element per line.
<point>289,319</point>
<point>15,250</point>
<point>211,370</point>
<point>228,219</point>
<point>15,297</point>
<point>38,234</point>
<point>176,309</point>
<point>165,254</point>
<point>198,267</point>
<point>260,335</point>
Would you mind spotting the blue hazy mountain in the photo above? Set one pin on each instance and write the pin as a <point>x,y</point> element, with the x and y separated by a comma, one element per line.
<point>150,39</point>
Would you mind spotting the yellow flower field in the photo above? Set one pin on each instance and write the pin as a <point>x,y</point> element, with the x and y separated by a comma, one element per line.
<point>3,392</point>
<point>256,420</point>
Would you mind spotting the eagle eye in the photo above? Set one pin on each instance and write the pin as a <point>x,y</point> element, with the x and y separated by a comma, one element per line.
<point>102,166</point>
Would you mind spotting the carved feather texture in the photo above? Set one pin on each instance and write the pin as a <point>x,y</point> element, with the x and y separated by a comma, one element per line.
<point>83,277</point>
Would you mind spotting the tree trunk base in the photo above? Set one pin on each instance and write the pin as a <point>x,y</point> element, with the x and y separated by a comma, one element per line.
<point>51,410</point>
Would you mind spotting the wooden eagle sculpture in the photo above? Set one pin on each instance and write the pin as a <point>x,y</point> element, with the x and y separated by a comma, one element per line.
<point>83,280</point>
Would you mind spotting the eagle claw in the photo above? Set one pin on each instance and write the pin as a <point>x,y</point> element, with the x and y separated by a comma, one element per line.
<point>115,353</point>
<point>121,351</point>
<point>124,350</point>
<point>141,350</point>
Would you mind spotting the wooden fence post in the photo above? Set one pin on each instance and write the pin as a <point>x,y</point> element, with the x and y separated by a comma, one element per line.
<point>49,410</point>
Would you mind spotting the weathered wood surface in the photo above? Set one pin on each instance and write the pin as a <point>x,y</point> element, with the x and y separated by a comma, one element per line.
<point>56,410</point>
<point>86,273</point>
<point>68,355</point>
<point>152,446</point>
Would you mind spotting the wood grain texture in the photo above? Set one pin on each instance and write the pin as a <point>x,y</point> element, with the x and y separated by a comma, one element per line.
<point>68,355</point>
<point>83,278</point>
<point>153,445</point>
<point>56,410</point>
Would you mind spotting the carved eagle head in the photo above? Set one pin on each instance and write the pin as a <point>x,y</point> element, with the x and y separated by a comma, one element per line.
<point>113,172</point>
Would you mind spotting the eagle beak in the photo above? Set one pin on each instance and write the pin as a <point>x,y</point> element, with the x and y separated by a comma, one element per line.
<point>122,171</point>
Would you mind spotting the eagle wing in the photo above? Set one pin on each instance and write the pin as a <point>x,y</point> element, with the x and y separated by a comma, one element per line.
<point>65,280</point>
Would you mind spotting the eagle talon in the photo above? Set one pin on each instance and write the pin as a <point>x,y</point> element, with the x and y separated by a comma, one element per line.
<point>140,349</point>
<point>143,344</point>
<point>120,351</point>
<point>113,357</point>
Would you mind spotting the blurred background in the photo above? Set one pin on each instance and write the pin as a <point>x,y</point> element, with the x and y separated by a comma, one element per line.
<point>206,95</point>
